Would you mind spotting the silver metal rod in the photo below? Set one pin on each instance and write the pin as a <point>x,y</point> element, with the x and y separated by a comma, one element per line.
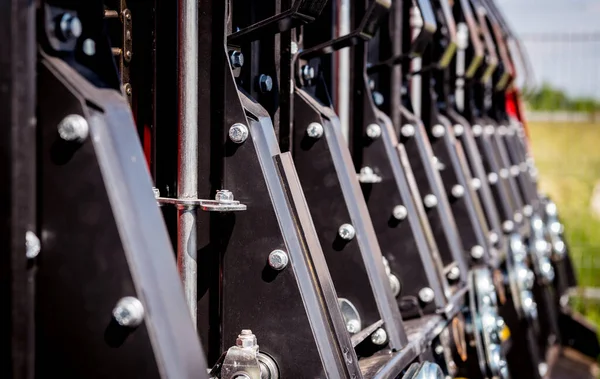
<point>343,69</point>
<point>187,175</point>
<point>416,23</point>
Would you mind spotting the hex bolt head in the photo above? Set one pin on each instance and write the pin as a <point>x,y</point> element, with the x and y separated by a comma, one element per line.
<point>514,170</point>
<point>224,196</point>
<point>454,274</point>
<point>493,178</point>
<point>236,58</point>
<point>408,130</point>
<point>528,210</point>
<point>129,312</point>
<point>477,130</point>
<point>395,284</point>
<point>278,260</point>
<point>89,47</point>
<point>508,226</point>
<point>69,27</point>
<point>73,128</point>
<point>458,191</point>
<point>476,183</point>
<point>265,83</point>
<point>32,245</point>
<point>308,72</point>
<point>379,337</point>
<point>293,47</point>
<point>426,295</point>
<point>238,133</point>
<point>378,98</point>
<point>438,131</point>
<point>439,350</point>
<point>493,237</point>
<point>477,252</point>
<point>353,326</point>
<point>430,201</point>
<point>459,130</point>
<point>315,130</point>
<point>504,173</point>
<point>489,130</point>
<point>400,212</point>
<point>373,131</point>
<point>346,232</point>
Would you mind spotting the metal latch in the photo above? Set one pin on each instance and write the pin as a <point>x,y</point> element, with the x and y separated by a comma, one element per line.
<point>223,202</point>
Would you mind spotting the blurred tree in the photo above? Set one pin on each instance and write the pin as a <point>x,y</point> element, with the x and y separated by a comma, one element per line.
<point>548,98</point>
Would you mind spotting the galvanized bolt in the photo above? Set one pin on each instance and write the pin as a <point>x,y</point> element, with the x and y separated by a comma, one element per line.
<point>224,196</point>
<point>238,133</point>
<point>246,339</point>
<point>129,312</point>
<point>514,170</point>
<point>476,183</point>
<point>128,55</point>
<point>265,83</point>
<point>458,191</point>
<point>453,274</point>
<point>489,130</point>
<point>400,212</point>
<point>395,284</point>
<point>308,72</point>
<point>477,252</point>
<point>439,349</point>
<point>458,130</point>
<point>494,238</point>
<point>236,58</point>
<point>426,295</point>
<point>477,130</point>
<point>518,217</point>
<point>69,27</point>
<point>73,128</point>
<point>378,98</point>
<point>528,210</point>
<point>438,131</point>
<point>503,173</point>
<point>278,260</point>
<point>293,48</point>
<point>493,178</point>
<point>353,326</point>
<point>346,232</point>
<point>407,130</point>
<point>89,47</point>
<point>32,245</point>
<point>373,131</point>
<point>315,130</point>
<point>508,226</point>
<point>430,201</point>
<point>379,337</point>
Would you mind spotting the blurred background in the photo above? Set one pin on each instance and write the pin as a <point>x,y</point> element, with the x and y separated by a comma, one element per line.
<point>562,98</point>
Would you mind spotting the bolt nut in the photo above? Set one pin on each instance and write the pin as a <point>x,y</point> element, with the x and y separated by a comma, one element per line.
<point>89,47</point>
<point>246,339</point>
<point>236,58</point>
<point>238,133</point>
<point>224,196</point>
<point>353,326</point>
<point>129,312</point>
<point>293,47</point>
<point>408,130</point>
<point>379,337</point>
<point>508,226</point>
<point>438,131</point>
<point>347,232</point>
<point>477,130</point>
<point>426,295</point>
<point>476,183</point>
<point>308,72</point>
<point>400,212</point>
<point>439,350</point>
<point>315,130</point>
<point>69,27</point>
<point>504,173</point>
<point>458,130</point>
<point>430,201</point>
<point>395,284</point>
<point>373,131</point>
<point>458,191</point>
<point>454,274</point>
<point>489,130</point>
<point>73,128</point>
<point>477,252</point>
<point>32,245</point>
<point>493,178</point>
<point>265,83</point>
<point>278,260</point>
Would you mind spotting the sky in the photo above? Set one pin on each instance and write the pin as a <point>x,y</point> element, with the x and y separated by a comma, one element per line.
<point>573,65</point>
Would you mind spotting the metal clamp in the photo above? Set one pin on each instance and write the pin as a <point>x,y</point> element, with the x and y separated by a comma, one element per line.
<point>223,202</point>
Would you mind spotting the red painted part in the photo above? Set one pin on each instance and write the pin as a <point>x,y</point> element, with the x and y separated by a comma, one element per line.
<point>514,107</point>
<point>147,144</point>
